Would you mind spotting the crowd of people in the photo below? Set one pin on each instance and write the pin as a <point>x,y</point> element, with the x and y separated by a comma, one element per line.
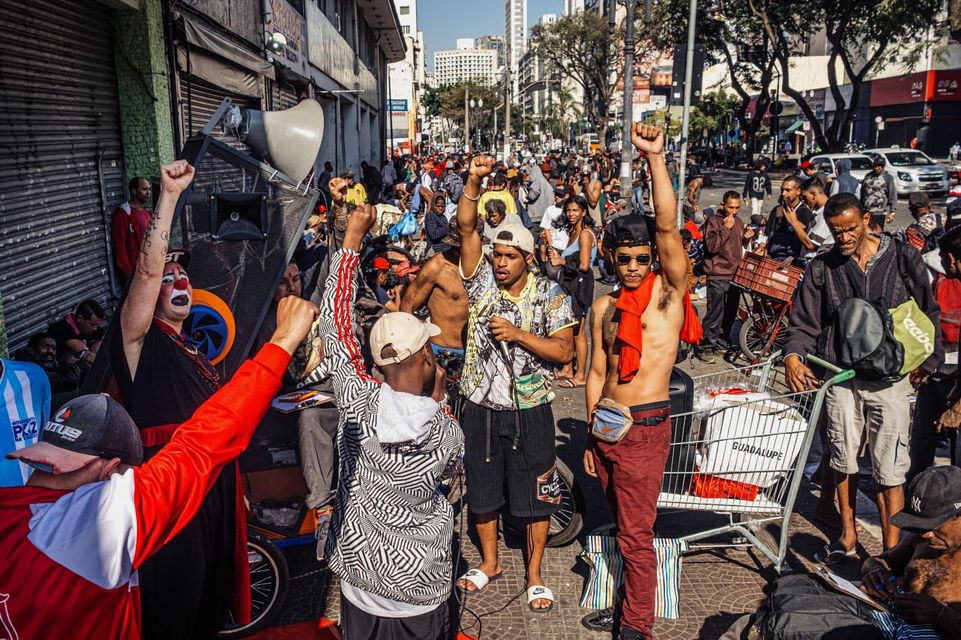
<point>441,300</point>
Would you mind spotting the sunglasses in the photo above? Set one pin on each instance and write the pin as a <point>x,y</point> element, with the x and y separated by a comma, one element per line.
<point>642,260</point>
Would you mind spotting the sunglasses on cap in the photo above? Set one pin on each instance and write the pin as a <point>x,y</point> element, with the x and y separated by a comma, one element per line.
<point>642,260</point>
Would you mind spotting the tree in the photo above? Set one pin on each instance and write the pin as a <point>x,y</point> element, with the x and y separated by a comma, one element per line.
<point>735,37</point>
<point>865,36</point>
<point>579,46</point>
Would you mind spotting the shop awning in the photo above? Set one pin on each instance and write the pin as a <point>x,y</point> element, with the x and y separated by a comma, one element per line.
<point>797,124</point>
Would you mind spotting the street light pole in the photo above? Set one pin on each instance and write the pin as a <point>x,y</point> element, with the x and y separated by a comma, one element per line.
<point>466,120</point>
<point>686,113</point>
<point>627,117</point>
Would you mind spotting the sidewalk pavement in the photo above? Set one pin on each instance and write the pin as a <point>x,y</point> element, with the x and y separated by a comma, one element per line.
<point>718,583</point>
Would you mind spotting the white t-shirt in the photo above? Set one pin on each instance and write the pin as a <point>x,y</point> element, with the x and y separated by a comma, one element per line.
<point>560,238</point>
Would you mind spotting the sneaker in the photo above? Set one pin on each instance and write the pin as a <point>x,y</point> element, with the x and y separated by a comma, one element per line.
<point>323,527</point>
<point>601,620</point>
<point>630,634</point>
<point>707,357</point>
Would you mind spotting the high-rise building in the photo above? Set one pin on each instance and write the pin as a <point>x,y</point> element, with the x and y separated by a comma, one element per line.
<point>573,6</point>
<point>405,81</point>
<point>458,65</point>
<point>515,33</point>
<point>464,43</point>
<point>547,19</point>
<point>493,42</point>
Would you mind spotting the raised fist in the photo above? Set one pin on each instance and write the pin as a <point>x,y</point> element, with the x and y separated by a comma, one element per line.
<point>647,138</point>
<point>481,166</point>
<point>294,318</point>
<point>338,189</point>
<point>176,176</point>
<point>361,220</point>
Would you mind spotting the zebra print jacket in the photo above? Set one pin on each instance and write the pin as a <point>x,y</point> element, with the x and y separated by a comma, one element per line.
<point>391,529</point>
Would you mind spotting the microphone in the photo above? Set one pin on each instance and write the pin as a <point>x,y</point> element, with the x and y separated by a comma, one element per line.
<point>507,355</point>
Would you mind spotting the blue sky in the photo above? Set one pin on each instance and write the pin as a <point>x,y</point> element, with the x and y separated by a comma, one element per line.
<point>443,21</point>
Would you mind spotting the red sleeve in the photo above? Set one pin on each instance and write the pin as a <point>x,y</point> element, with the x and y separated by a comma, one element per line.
<point>121,236</point>
<point>169,489</point>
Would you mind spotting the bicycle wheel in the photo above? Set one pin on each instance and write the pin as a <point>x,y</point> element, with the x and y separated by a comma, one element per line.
<point>755,333</point>
<point>269,579</point>
<point>567,521</point>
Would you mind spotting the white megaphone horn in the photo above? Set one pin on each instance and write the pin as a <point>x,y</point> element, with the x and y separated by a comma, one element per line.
<point>288,140</point>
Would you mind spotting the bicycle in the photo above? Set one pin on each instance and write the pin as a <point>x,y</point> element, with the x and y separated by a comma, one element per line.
<point>767,288</point>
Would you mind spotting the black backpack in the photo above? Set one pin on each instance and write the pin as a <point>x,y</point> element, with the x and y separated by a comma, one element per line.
<point>864,331</point>
<point>801,608</point>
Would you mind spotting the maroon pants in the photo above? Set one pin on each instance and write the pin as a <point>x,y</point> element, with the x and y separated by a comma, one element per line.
<point>630,473</point>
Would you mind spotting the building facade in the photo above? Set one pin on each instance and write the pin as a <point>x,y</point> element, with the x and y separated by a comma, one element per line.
<point>515,36</point>
<point>100,92</point>
<point>405,82</point>
<point>459,65</point>
<point>493,42</point>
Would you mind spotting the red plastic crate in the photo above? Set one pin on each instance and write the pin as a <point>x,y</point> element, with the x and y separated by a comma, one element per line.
<point>768,277</point>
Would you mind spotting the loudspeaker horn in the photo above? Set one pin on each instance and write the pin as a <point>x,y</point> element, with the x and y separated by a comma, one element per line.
<point>288,140</point>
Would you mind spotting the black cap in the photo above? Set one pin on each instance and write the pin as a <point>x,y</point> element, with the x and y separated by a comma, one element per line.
<point>180,256</point>
<point>87,427</point>
<point>933,498</point>
<point>560,191</point>
<point>632,230</point>
<point>879,161</point>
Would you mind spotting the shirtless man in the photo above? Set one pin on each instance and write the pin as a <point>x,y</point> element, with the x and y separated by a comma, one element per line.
<point>921,575</point>
<point>440,287</point>
<point>627,385</point>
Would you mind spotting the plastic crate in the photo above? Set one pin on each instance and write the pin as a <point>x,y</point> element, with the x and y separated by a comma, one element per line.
<point>768,277</point>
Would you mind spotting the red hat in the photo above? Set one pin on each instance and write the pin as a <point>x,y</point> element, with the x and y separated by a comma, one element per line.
<point>381,263</point>
<point>805,164</point>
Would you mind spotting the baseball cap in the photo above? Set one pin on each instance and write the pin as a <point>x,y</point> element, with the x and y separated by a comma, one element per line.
<point>560,191</point>
<point>934,497</point>
<point>632,230</point>
<point>514,235</point>
<point>805,164</point>
<point>180,256</point>
<point>397,336</point>
<point>380,263</point>
<point>878,162</point>
<point>87,427</point>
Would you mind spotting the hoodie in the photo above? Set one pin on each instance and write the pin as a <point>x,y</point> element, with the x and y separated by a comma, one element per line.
<point>391,529</point>
<point>845,182</point>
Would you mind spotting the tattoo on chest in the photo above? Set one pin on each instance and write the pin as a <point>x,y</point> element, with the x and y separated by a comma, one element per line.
<point>609,325</point>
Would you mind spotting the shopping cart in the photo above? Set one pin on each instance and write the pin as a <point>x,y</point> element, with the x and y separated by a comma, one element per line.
<point>741,452</point>
<point>767,288</point>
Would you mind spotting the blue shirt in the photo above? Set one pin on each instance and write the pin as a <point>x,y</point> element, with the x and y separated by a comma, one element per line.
<point>23,413</point>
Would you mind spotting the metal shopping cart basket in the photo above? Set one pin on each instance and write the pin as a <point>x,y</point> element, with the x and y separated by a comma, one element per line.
<point>741,451</point>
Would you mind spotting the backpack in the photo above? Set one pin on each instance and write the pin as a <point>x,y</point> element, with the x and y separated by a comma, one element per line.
<point>876,342</point>
<point>800,608</point>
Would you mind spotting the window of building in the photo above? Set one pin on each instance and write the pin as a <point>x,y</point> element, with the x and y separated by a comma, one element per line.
<point>406,29</point>
<point>405,11</point>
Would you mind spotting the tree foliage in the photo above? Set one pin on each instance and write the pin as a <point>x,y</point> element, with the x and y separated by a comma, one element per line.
<point>579,47</point>
<point>761,41</point>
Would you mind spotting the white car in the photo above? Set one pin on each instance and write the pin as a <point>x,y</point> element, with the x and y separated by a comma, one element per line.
<point>827,163</point>
<point>913,171</point>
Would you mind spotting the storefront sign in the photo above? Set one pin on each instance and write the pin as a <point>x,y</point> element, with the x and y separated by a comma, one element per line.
<point>284,19</point>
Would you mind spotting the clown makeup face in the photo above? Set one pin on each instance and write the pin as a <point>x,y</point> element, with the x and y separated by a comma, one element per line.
<point>176,294</point>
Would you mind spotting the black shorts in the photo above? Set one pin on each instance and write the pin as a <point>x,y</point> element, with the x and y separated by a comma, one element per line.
<point>357,624</point>
<point>491,462</point>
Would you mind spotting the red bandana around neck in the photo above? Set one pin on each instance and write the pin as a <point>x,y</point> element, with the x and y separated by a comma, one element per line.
<point>632,304</point>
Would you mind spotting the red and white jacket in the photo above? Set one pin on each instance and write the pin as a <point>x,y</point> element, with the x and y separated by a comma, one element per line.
<point>70,559</point>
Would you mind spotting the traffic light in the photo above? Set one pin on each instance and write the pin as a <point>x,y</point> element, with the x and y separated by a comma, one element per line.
<point>677,74</point>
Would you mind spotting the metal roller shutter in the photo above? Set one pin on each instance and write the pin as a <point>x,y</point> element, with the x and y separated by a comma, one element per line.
<point>282,96</point>
<point>199,100</point>
<point>61,159</point>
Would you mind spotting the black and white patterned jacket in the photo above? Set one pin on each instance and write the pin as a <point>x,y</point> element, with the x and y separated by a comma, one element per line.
<point>391,530</point>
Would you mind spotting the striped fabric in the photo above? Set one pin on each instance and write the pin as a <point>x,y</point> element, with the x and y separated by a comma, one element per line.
<point>895,628</point>
<point>607,573</point>
<point>24,411</point>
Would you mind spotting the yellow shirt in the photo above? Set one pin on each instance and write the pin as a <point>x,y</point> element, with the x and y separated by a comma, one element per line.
<point>357,195</point>
<point>505,196</point>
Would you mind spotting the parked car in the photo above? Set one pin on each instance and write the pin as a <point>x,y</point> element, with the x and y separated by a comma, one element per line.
<point>827,163</point>
<point>913,170</point>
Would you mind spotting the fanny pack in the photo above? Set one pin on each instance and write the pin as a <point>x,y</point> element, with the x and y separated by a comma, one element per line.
<point>612,421</point>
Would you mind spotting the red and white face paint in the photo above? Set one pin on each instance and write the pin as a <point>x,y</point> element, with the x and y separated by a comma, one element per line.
<point>176,294</point>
